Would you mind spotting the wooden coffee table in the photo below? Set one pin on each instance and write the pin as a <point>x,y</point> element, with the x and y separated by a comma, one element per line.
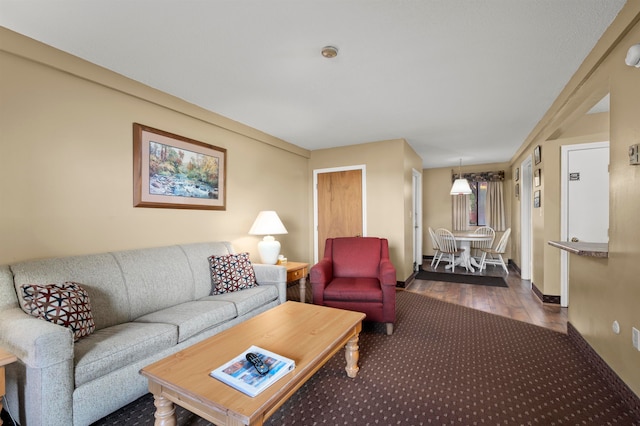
<point>308,334</point>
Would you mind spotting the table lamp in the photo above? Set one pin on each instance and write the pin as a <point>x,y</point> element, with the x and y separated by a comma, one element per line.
<point>268,224</point>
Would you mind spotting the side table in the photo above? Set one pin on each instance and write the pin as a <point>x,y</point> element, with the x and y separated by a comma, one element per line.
<point>298,271</point>
<point>5,358</point>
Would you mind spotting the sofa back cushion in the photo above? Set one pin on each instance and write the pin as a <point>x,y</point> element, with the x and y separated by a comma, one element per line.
<point>198,257</point>
<point>99,274</point>
<point>356,257</point>
<point>8,297</point>
<point>155,278</point>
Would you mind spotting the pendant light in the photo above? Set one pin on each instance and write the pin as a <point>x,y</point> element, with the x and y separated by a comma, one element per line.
<point>461,185</point>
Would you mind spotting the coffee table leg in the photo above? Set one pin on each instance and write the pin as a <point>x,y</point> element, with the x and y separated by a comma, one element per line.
<point>352,355</point>
<point>165,411</point>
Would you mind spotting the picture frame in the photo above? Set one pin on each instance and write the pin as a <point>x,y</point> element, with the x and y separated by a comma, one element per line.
<point>517,190</point>
<point>172,171</point>
<point>536,199</point>
<point>537,177</point>
<point>517,174</point>
<point>537,154</point>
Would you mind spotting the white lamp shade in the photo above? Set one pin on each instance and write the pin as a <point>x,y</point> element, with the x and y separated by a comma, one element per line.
<point>460,187</point>
<point>267,223</point>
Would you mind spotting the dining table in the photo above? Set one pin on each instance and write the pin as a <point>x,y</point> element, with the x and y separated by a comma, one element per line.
<point>464,240</point>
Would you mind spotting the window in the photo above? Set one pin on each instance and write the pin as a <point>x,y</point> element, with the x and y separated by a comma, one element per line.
<point>478,202</point>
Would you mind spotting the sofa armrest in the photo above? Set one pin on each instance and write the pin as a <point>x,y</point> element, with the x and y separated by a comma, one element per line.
<point>272,275</point>
<point>37,343</point>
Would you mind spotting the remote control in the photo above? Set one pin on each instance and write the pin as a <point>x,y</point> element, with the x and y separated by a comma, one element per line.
<point>257,363</point>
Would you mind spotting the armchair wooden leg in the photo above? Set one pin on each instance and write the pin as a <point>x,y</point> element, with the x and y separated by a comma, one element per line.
<point>389,328</point>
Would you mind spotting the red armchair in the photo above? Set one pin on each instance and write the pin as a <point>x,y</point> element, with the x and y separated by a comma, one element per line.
<point>356,274</point>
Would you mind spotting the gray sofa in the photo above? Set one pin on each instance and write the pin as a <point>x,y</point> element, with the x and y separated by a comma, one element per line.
<point>147,304</point>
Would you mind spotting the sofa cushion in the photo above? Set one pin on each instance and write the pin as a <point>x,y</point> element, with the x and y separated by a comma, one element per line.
<point>194,317</point>
<point>248,299</point>
<point>65,304</point>
<point>115,347</point>
<point>231,272</point>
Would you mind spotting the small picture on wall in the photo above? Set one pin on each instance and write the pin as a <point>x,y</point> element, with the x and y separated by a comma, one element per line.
<point>536,199</point>
<point>536,177</point>
<point>517,190</point>
<point>537,155</point>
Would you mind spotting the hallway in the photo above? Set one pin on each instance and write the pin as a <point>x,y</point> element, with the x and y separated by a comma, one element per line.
<point>517,301</point>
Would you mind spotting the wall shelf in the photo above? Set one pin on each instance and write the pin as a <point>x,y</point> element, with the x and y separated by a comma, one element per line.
<point>583,249</point>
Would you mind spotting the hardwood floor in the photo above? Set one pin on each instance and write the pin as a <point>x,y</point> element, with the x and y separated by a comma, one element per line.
<point>517,301</point>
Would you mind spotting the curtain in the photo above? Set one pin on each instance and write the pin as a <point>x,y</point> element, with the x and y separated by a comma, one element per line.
<point>461,206</point>
<point>494,207</point>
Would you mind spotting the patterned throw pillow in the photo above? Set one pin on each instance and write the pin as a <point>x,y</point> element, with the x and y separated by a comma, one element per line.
<point>231,272</point>
<point>63,304</point>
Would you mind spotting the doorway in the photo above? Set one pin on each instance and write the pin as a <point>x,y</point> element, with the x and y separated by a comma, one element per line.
<point>525,219</point>
<point>339,200</point>
<point>584,185</point>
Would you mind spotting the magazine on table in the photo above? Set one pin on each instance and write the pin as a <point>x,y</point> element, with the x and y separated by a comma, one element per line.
<point>242,375</point>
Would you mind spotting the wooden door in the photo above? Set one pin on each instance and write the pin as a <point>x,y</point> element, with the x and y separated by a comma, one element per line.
<point>339,205</point>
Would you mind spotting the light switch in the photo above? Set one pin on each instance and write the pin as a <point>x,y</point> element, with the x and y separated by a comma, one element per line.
<point>634,154</point>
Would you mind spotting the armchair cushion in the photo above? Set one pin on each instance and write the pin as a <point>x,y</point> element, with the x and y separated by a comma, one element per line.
<point>357,257</point>
<point>354,289</point>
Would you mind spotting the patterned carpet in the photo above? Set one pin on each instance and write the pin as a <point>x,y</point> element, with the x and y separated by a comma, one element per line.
<point>444,364</point>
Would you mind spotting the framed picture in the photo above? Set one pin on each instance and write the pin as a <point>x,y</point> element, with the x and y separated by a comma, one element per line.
<point>171,171</point>
<point>536,177</point>
<point>517,174</point>
<point>537,154</point>
<point>536,199</point>
<point>517,190</point>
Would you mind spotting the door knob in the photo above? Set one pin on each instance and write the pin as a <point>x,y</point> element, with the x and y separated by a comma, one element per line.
<point>575,240</point>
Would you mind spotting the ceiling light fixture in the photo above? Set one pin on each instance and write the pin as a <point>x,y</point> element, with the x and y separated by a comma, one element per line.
<point>461,185</point>
<point>329,52</point>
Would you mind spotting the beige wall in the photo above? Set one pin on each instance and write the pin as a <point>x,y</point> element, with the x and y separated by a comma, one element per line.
<point>437,204</point>
<point>67,126</point>
<point>388,177</point>
<point>601,290</point>
<point>67,167</point>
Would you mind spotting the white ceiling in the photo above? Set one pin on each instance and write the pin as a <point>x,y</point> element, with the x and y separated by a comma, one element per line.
<point>458,79</point>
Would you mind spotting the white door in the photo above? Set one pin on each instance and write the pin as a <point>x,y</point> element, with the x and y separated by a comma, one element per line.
<point>525,219</point>
<point>417,219</point>
<point>585,200</point>
<point>588,195</point>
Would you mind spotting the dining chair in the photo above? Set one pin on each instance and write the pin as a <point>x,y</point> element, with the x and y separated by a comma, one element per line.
<point>477,246</point>
<point>436,249</point>
<point>493,256</point>
<point>447,245</point>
